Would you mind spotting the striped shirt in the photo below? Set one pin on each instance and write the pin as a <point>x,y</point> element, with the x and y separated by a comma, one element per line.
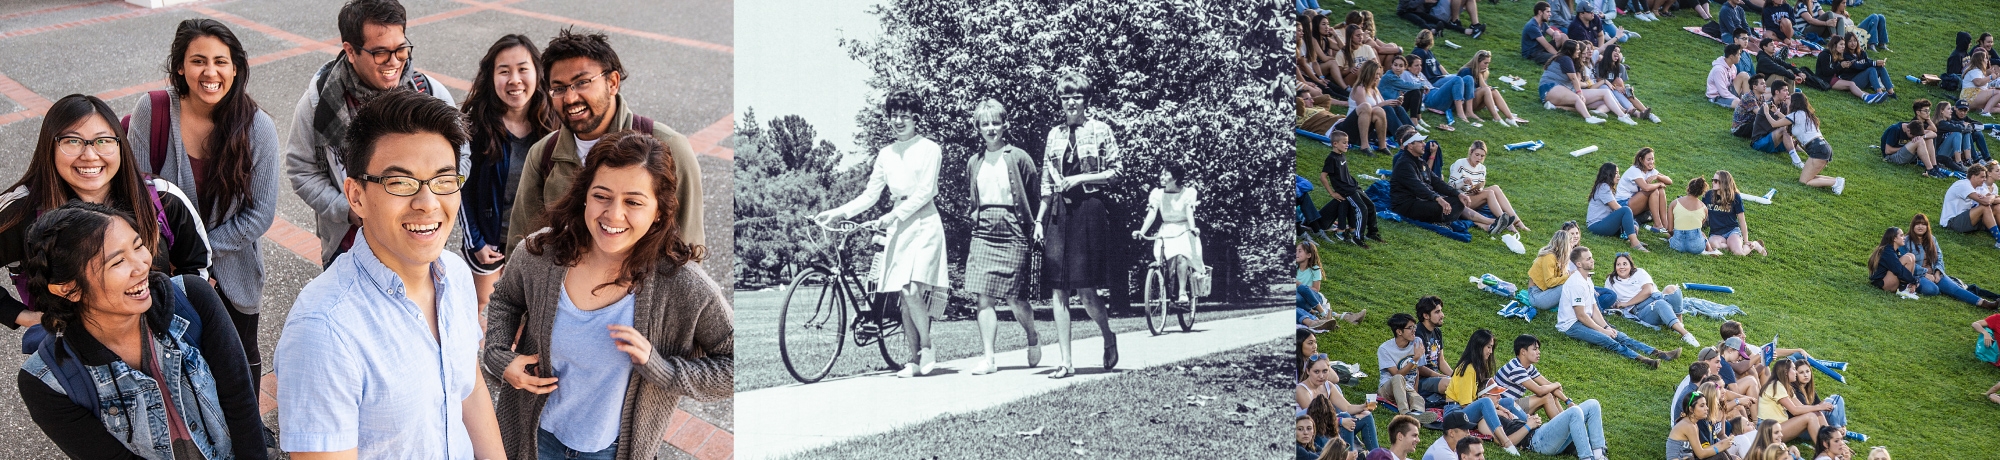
<point>1514,377</point>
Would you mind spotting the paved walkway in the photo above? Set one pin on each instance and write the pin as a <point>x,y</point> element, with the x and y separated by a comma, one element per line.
<point>796,418</point>
<point>679,52</point>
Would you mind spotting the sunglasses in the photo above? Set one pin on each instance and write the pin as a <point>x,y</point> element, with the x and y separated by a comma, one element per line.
<point>1692,397</point>
<point>1571,225</point>
<point>1316,357</point>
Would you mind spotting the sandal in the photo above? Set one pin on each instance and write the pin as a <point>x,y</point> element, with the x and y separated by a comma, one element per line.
<point>1062,372</point>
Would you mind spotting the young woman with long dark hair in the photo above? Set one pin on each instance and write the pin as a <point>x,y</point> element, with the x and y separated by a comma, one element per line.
<point>1922,246</point>
<point>223,151</point>
<point>1888,259</point>
<point>506,111</point>
<point>1604,216</point>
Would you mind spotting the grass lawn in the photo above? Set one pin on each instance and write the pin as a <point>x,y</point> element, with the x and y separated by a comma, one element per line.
<point>1221,405</point>
<point>759,366</point>
<point>1914,386</point>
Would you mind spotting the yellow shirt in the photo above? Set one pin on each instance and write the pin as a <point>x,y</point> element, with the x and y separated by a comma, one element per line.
<point>1464,386</point>
<point>1548,272</point>
<point>1768,406</point>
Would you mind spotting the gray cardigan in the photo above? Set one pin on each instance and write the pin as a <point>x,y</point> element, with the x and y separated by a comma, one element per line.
<point>233,241</point>
<point>684,314</point>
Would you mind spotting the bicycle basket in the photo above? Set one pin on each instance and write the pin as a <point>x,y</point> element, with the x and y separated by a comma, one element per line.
<point>1202,280</point>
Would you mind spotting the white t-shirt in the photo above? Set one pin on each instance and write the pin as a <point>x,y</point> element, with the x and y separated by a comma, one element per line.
<point>583,147</point>
<point>1955,200</point>
<point>1387,355</point>
<point>1629,287</point>
<point>1803,127</point>
<point>995,184</point>
<point>1628,183</point>
<point>1440,451</point>
<point>1576,291</point>
<point>1464,174</point>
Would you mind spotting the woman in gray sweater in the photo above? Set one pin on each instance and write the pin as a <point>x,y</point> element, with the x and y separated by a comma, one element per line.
<point>608,301</point>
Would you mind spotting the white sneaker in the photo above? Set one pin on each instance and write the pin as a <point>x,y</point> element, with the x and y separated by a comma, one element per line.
<point>1631,34</point>
<point>1593,120</point>
<point>1689,338</point>
<point>1421,128</point>
<point>985,367</point>
<point>1627,119</point>
<point>1514,451</point>
<point>909,370</point>
<point>1655,118</point>
<point>1795,161</point>
<point>1839,185</point>
<point>1549,105</point>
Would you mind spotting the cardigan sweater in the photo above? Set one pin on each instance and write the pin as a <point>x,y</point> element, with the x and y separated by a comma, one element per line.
<point>680,310</point>
<point>234,242</point>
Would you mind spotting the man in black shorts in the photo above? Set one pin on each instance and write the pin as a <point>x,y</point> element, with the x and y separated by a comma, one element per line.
<point>1418,193</point>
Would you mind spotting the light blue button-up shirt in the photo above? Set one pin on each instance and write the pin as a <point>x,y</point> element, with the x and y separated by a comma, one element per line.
<point>357,367</point>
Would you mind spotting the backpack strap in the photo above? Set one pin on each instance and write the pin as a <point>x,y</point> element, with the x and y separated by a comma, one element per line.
<point>421,83</point>
<point>159,210</point>
<point>160,136</point>
<point>639,123</point>
<point>69,372</point>
<point>184,309</point>
<point>642,124</point>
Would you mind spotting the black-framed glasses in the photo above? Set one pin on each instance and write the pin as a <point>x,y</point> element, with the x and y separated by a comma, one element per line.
<point>444,184</point>
<point>579,85</point>
<point>74,145</point>
<point>401,53</point>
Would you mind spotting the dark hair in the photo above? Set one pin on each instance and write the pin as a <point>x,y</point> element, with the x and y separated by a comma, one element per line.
<point>1608,68</point>
<point>1823,440</point>
<point>660,249</point>
<point>1523,341</point>
<point>901,101</point>
<point>1638,157</point>
<point>484,111</point>
<point>1428,304</point>
<point>62,246</point>
<point>569,44</point>
<point>46,188</point>
<point>1540,7</point>
<point>1324,416</point>
<point>1730,328</point>
<point>1925,241</point>
<point>1801,104</point>
<point>399,111</point>
<point>1697,370</point>
<point>1475,347</point>
<point>1607,176</point>
<point>1696,186</point>
<point>1466,443</point>
<point>1403,424</point>
<point>1175,169</point>
<point>357,13</point>
<point>227,182</point>
<point>1399,321</point>
<point>1739,32</point>
<point>1732,49</point>
<point>1766,43</point>
<point>1888,245</point>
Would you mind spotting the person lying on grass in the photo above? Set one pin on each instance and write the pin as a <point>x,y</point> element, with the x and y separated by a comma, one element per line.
<point>1931,278</point>
<point>1579,317</point>
<point>1652,305</point>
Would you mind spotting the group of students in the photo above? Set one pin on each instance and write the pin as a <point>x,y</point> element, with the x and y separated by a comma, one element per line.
<point>1583,65</point>
<point>1910,263</point>
<point>583,242</point>
<point>1743,402</point>
<point>1475,399</point>
<point>1640,200</point>
<point>1769,111</point>
<point>1351,81</point>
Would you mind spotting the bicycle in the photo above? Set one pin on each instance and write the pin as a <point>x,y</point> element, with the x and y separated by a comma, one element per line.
<point>1159,303</point>
<point>819,301</point>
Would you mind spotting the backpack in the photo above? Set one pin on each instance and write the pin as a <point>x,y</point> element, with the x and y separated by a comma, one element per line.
<point>75,379</point>
<point>639,123</point>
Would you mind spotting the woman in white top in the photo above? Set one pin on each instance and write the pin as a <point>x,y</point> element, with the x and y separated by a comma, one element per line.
<point>1644,188</point>
<point>1173,205</point>
<point>1357,425</point>
<point>997,264</point>
<point>1468,175</point>
<point>908,170</point>
<point>1978,84</point>
<point>1804,124</point>
<point>1366,110</point>
<point>1647,302</point>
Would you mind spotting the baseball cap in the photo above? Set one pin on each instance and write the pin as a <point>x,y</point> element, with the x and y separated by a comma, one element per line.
<point>1458,421</point>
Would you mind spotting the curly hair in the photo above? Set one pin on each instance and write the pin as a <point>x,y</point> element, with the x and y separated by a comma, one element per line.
<point>62,246</point>
<point>661,249</point>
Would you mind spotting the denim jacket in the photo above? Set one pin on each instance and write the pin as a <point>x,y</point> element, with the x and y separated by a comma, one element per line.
<point>129,401</point>
<point>1924,266</point>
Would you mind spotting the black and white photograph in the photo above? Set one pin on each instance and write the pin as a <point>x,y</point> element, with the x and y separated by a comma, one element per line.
<point>1030,229</point>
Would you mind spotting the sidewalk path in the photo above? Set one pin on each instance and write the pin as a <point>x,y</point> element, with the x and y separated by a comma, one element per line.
<point>795,418</point>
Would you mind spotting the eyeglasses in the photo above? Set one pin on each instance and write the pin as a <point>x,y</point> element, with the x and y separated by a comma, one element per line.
<point>73,145</point>
<point>407,186</point>
<point>579,85</point>
<point>401,53</point>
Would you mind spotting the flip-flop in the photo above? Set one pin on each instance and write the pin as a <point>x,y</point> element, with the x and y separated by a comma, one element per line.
<point>1995,397</point>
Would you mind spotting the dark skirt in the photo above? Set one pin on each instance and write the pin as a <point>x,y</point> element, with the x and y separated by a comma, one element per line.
<point>1078,250</point>
<point>997,262</point>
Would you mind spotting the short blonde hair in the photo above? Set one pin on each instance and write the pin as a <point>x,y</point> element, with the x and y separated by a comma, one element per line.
<point>989,107</point>
<point>1071,80</point>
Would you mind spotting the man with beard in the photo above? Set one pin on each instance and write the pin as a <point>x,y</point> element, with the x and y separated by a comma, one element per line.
<point>375,57</point>
<point>584,76</point>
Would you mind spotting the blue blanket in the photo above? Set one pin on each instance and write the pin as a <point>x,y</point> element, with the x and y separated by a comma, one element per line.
<point>1379,193</point>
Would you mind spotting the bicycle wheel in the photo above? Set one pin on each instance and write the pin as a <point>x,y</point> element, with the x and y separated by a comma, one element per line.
<point>1187,317</point>
<point>1156,301</point>
<point>812,325</point>
<point>894,342</point>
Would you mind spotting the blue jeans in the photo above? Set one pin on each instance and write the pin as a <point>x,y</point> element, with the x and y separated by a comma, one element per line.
<point>1877,27</point>
<point>1449,89</point>
<point>1544,299</point>
<point>1619,224</point>
<point>1837,416</point>
<point>1688,241</point>
<point>1623,344</point>
<point>1947,286</point>
<point>1874,78</point>
<point>1582,426</point>
<point>547,447</point>
<point>1364,429</point>
<point>1483,409</point>
<point>1662,310</point>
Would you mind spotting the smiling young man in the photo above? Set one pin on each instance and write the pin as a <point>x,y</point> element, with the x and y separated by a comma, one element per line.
<point>583,78</point>
<point>375,57</point>
<point>380,354</point>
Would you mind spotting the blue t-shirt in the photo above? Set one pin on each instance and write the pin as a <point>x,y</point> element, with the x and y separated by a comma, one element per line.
<point>1530,32</point>
<point>1431,70</point>
<point>592,374</point>
<point>1721,220</point>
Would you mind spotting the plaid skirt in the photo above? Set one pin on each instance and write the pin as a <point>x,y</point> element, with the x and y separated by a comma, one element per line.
<point>997,262</point>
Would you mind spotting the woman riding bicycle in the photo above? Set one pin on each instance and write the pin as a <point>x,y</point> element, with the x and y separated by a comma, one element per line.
<point>908,169</point>
<point>1177,245</point>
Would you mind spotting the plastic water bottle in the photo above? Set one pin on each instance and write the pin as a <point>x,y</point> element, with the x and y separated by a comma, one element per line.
<point>1530,145</point>
<point>1384,172</point>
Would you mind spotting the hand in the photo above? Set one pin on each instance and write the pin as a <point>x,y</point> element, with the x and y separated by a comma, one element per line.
<point>1347,423</point>
<point>824,218</point>
<point>1062,183</point>
<point>1442,204</point>
<point>487,254</point>
<point>630,342</point>
<point>1368,407</point>
<point>1392,102</point>
<point>1138,235</point>
<point>1038,231</point>
<point>517,376</point>
<point>28,318</point>
<point>1988,337</point>
<point>1336,195</point>
<point>875,224</point>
